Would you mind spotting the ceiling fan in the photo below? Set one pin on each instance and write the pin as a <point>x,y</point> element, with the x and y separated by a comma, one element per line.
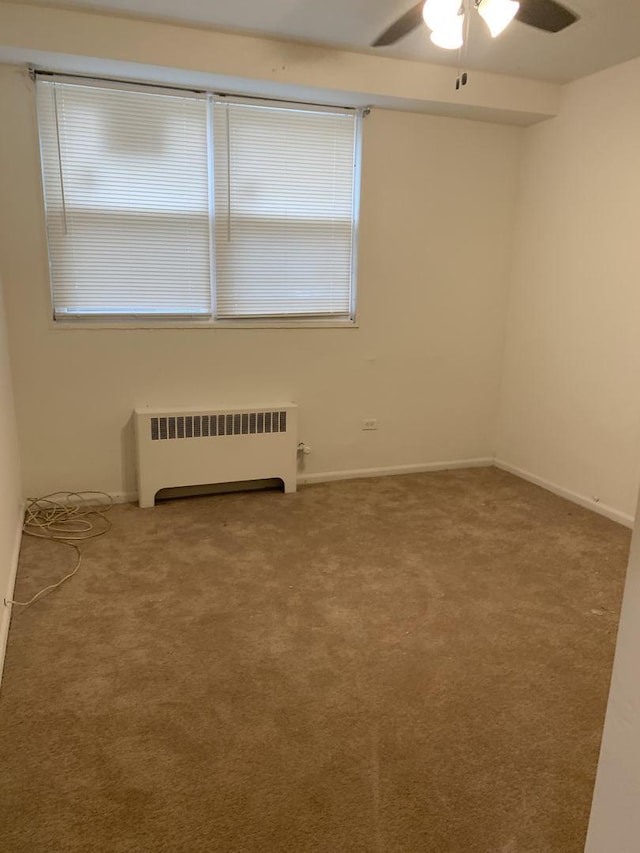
<point>446,19</point>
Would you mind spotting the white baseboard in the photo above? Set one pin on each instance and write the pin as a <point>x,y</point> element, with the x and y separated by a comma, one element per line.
<point>421,467</point>
<point>124,497</point>
<point>116,497</point>
<point>8,594</point>
<point>574,497</point>
<point>356,474</point>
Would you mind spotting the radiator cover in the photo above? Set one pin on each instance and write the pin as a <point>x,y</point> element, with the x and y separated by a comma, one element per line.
<point>201,446</point>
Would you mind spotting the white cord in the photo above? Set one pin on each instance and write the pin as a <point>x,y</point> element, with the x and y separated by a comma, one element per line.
<point>65,517</point>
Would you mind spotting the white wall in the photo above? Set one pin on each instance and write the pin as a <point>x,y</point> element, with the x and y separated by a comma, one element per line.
<point>570,411</point>
<point>10,486</point>
<point>425,360</point>
<point>615,817</point>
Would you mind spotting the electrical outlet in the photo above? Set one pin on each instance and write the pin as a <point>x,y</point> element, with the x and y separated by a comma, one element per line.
<point>370,423</point>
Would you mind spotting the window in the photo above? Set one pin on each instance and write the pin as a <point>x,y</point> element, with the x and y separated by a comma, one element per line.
<point>183,205</point>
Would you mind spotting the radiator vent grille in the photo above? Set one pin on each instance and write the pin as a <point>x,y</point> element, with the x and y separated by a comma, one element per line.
<point>213,426</point>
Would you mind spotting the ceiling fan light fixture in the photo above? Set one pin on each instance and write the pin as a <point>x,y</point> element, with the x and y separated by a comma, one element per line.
<point>441,14</point>
<point>449,36</point>
<point>497,14</point>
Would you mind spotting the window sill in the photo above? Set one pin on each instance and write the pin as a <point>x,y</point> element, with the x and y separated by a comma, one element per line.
<point>148,325</point>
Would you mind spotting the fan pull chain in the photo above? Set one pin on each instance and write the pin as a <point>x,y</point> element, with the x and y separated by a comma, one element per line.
<point>461,79</point>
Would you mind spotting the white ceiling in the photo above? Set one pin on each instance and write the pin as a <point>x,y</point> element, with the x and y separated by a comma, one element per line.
<point>608,31</point>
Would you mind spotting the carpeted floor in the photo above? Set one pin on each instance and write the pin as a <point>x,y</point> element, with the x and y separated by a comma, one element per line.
<point>412,664</point>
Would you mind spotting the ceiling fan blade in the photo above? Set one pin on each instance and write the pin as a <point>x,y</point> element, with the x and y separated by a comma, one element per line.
<point>402,27</point>
<point>545,15</point>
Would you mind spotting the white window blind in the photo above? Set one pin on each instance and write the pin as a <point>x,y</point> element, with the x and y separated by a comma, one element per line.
<point>172,204</point>
<point>126,182</point>
<point>285,205</point>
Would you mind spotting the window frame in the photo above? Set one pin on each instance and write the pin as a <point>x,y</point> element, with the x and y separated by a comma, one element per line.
<point>181,321</point>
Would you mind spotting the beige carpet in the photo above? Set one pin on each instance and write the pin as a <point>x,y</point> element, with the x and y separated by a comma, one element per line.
<point>402,665</point>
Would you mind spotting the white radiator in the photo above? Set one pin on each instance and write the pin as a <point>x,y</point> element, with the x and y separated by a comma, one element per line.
<point>195,447</point>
